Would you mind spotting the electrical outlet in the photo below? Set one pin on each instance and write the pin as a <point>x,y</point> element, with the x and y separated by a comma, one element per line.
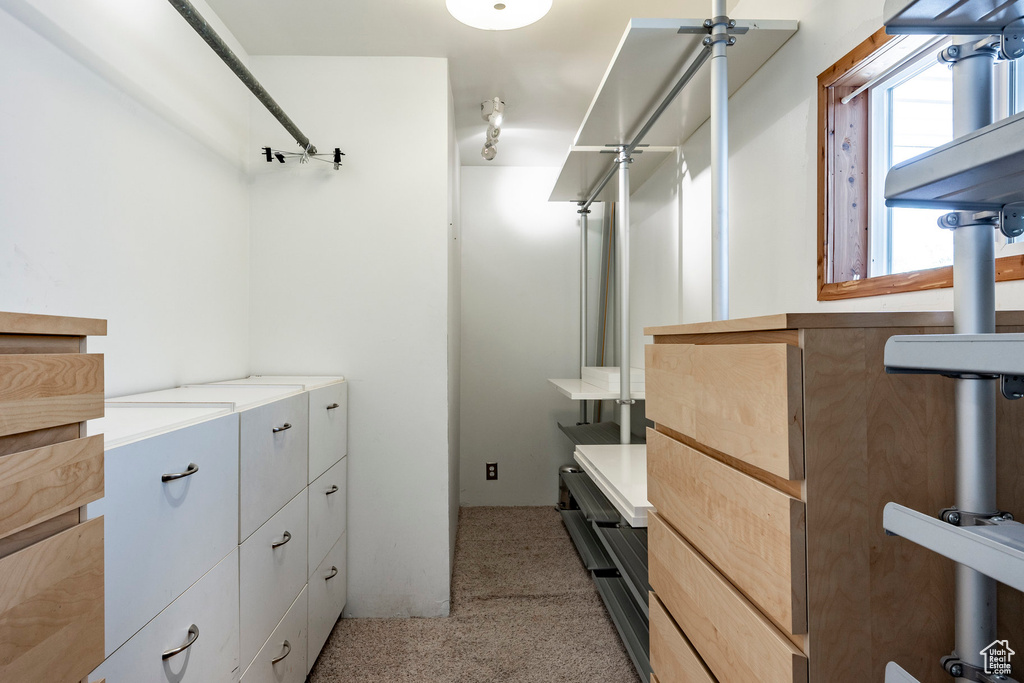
<point>492,471</point>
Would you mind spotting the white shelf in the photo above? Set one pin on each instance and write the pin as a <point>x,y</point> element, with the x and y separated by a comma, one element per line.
<point>979,354</point>
<point>578,390</point>
<point>239,397</point>
<point>585,167</point>
<point>621,474</point>
<point>894,673</point>
<point>949,17</point>
<point>125,423</point>
<point>306,382</point>
<point>980,171</point>
<point>995,550</point>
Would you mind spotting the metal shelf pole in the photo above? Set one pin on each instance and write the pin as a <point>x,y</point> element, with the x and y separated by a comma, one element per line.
<point>719,164</point>
<point>622,275</point>
<point>584,226</point>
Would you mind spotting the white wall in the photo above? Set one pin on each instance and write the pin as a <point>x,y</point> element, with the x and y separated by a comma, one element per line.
<point>116,205</point>
<point>350,275</point>
<point>454,327</point>
<point>520,326</point>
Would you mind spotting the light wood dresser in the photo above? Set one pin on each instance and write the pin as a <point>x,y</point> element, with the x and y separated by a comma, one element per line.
<point>51,561</point>
<point>777,442</point>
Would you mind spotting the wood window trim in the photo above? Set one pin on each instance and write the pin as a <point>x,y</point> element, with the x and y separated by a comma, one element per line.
<point>843,201</point>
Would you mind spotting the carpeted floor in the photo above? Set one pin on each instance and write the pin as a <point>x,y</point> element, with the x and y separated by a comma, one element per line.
<point>524,610</point>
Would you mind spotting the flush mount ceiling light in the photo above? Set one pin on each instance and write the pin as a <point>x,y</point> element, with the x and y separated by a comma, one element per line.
<point>495,15</point>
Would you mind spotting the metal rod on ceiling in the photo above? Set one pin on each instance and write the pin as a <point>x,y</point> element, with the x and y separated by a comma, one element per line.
<point>206,32</point>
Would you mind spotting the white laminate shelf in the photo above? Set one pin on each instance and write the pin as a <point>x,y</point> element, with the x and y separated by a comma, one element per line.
<point>309,383</point>
<point>620,472</point>
<point>585,167</point>
<point>976,354</point>
<point>950,17</point>
<point>578,390</point>
<point>125,423</point>
<point>239,397</point>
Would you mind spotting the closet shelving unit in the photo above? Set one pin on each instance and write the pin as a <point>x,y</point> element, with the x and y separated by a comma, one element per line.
<point>979,176</point>
<point>657,91</point>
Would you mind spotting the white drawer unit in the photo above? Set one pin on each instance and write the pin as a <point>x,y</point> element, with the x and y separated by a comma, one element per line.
<point>327,516</point>
<point>328,592</point>
<point>282,659</point>
<point>328,427</point>
<point>194,640</point>
<point>272,572</point>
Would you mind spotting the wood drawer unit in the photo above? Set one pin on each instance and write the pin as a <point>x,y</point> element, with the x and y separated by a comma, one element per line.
<point>211,605</point>
<point>328,427</point>
<point>777,443</point>
<point>165,535</point>
<point>671,653</point>
<point>327,511</point>
<point>274,452</point>
<point>328,593</point>
<point>46,390</point>
<point>282,659</point>
<point>272,572</point>
<point>750,531</point>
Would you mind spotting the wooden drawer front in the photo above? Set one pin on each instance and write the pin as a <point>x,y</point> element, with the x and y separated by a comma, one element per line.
<point>328,592</point>
<point>672,656</point>
<point>328,427</point>
<point>273,464</point>
<point>734,639</point>
<point>46,390</point>
<point>327,511</point>
<point>43,483</point>
<point>744,400</point>
<point>752,533</point>
<point>51,607</point>
<point>212,605</point>
<point>293,631</point>
<point>269,577</point>
<point>163,536</point>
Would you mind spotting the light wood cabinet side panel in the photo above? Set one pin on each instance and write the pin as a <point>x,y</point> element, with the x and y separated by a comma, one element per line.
<point>51,607</point>
<point>749,531</point>
<point>734,639</point>
<point>672,655</point>
<point>43,483</point>
<point>45,390</point>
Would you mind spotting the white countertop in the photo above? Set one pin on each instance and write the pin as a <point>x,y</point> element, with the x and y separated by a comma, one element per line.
<point>578,390</point>
<point>238,396</point>
<point>621,474</point>
<point>306,382</point>
<point>130,422</point>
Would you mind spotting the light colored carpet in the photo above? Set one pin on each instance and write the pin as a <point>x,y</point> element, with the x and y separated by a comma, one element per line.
<point>524,610</point>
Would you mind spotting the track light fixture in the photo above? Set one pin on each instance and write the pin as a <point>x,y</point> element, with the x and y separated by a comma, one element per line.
<point>493,112</point>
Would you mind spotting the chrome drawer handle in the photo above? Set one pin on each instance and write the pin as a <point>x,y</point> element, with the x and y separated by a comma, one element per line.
<point>286,427</point>
<point>333,406</point>
<point>278,544</point>
<point>333,489</point>
<point>192,469</point>
<point>287,651</point>
<point>193,636</point>
<point>334,572</point>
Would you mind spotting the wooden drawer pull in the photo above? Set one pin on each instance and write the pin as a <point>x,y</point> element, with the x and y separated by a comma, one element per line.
<point>192,469</point>
<point>193,636</point>
<point>333,489</point>
<point>333,406</point>
<point>334,572</point>
<point>278,544</point>
<point>287,651</point>
<point>286,427</point>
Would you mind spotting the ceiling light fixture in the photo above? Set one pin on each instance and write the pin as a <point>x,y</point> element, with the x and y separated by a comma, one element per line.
<point>493,112</point>
<point>491,15</point>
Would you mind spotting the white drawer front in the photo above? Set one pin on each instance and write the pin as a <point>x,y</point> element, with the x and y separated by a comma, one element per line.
<point>327,511</point>
<point>212,606</point>
<point>161,537</point>
<point>269,577</point>
<point>328,591</point>
<point>328,427</point>
<point>288,644</point>
<point>273,464</point>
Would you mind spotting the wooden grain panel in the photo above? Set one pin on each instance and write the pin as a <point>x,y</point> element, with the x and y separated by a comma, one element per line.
<point>750,532</point>
<point>51,607</point>
<point>672,655</point>
<point>35,343</point>
<point>848,230</point>
<point>46,390</point>
<point>40,484</point>
<point>765,337</point>
<point>26,441</point>
<point>743,400</point>
<point>1008,268</point>
<point>30,323</point>
<point>733,638</point>
<point>23,539</point>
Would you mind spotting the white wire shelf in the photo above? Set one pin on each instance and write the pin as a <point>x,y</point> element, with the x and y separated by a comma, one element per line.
<point>977,354</point>
<point>949,17</point>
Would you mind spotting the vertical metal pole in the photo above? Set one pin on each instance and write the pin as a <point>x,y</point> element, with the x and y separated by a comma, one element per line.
<point>719,166</point>
<point>584,224</point>
<point>622,275</point>
<point>974,313</point>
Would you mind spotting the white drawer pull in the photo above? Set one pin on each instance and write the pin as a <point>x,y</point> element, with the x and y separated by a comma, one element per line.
<point>192,469</point>
<point>334,572</point>
<point>333,406</point>
<point>287,651</point>
<point>278,544</point>
<point>193,636</point>
<point>333,489</point>
<point>286,427</point>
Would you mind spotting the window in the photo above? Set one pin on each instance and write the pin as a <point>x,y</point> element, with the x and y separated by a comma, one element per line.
<point>885,102</point>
